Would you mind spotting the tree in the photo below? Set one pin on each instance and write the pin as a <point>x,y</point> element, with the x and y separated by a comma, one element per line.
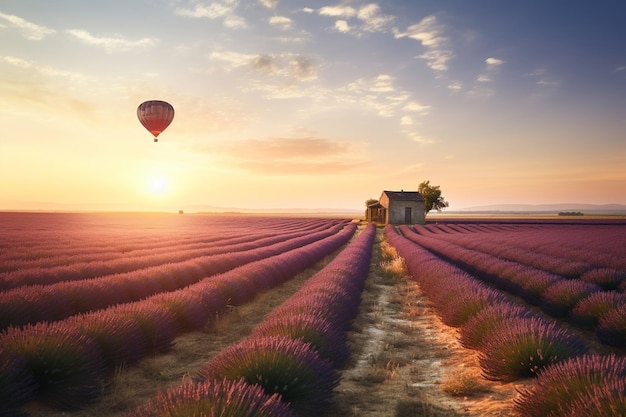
<point>432,197</point>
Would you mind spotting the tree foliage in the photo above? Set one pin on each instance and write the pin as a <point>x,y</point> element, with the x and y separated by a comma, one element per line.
<point>433,200</point>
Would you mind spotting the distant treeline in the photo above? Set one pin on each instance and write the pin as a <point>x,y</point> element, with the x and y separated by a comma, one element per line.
<point>570,213</point>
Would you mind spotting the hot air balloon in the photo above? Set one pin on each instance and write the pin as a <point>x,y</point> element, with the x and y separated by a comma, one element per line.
<point>155,115</point>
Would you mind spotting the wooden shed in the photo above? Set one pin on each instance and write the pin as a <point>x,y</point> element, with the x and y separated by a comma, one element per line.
<point>398,207</point>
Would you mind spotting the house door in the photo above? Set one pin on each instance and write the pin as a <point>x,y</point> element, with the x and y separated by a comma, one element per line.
<point>407,215</point>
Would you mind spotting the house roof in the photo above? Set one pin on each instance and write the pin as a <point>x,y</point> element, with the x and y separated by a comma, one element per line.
<point>403,196</point>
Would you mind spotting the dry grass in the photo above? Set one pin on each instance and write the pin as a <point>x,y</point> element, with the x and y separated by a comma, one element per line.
<point>465,383</point>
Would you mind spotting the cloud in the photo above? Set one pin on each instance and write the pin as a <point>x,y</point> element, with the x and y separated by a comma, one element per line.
<point>367,18</point>
<point>223,10</point>
<point>373,20</point>
<point>288,66</point>
<point>265,63</point>
<point>419,138</point>
<point>35,68</point>
<point>281,22</point>
<point>293,156</point>
<point>111,44</point>
<point>455,86</point>
<point>482,89</point>
<point>342,26</point>
<point>381,95</point>
<point>270,4</point>
<point>337,11</point>
<point>494,61</point>
<point>406,121</point>
<point>430,33</point>
<point>27,29</point>
<point>414,106</point>
<point>58,90</point>
<point>302,68</point>
<point>236,59</point>
<point>544,79</point>
<point>383,83</point>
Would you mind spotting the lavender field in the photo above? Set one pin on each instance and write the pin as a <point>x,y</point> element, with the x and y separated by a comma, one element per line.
<point>544,301</point>
<point>84,294</point>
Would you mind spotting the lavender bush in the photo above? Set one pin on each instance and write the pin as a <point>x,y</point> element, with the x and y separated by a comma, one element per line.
<point>65,365</point>
<point>611,328</point>
<point>588,311</point>
<point>483,325</point>
<point>215,398</point>
<point>607,278</point>
<point>521,347</point>
<point>280,365</point>
<point>559,298</point>
<point>329,341</point>
<point>571,387</point>
<point>16,383</point>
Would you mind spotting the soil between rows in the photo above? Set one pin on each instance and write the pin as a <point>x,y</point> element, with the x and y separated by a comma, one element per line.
<point>402,358</point>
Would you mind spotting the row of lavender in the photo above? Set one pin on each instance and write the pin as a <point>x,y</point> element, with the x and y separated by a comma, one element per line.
<point>599,305</point>
<point>515,342</point>
<point>583,251</point>
<point>87,258</point>
<point>288,365</point>
<point>31,304</point>
<point>65,362</point>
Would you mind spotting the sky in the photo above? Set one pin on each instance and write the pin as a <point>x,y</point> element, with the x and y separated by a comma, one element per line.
<point>311,103</point>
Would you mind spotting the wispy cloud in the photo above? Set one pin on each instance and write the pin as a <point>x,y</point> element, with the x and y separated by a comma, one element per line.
<point>112,44</point>
<point>455,86</point>
<point>382,96</point>
<point>483,86</point>
<point>493,62</point>
<point>338,11</point>
<point>281,22</point>
<point>415,107</point>
<point>293,155</point>
<point>342,26</point>
<point>430,33</point>
<point>372,18</point>
<point>270,4</point>
<point>35,83</point>
<point>289,66</point>
<point>27,29</point>
<point>45,70</point>
<point>543,78</point>
<point>382,83</point>
<point>223,10</point>
<point>368,18</point>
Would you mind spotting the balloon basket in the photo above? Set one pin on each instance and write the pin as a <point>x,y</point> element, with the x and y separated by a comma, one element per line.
<point>156,140</point>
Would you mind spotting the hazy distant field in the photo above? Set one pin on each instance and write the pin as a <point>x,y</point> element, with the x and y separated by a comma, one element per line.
<point>88,293</point>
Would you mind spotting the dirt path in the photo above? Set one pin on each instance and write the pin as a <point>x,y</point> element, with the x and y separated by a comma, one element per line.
<point>406,362</point>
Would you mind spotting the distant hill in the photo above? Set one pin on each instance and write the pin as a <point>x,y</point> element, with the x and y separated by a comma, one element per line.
<point>606,209</point>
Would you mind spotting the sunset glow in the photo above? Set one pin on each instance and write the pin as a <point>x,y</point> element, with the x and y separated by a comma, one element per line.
<point>307,104</point>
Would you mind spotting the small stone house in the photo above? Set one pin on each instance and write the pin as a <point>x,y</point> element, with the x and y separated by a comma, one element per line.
<point>398,207</point>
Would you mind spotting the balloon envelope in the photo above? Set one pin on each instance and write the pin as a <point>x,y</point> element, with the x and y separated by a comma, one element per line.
<point>155,115</point>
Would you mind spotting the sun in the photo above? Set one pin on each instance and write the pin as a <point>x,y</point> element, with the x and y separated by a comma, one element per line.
<point>157,186</point>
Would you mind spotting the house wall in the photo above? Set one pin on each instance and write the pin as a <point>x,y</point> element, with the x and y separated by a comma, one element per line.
<point>396,212</point>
